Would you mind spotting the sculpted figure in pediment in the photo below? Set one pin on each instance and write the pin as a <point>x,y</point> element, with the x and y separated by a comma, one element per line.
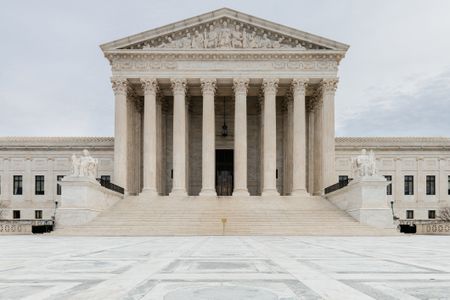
<point>213,36</point>
<point>237,36</point>
<point>198,41</point>
<point>225,36</point>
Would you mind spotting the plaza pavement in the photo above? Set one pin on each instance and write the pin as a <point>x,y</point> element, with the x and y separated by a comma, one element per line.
<point>58,267</point>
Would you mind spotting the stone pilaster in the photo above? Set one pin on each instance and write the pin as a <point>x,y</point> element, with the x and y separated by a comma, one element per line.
<point>240,86</point>
<point>150,87</point>
<point>299,137</point>
<point>443,181</point>
<point>328,89</point>
<point>120,88</point>
<point>270,87</point>
<point>208,138</point>
<point>179,88</point>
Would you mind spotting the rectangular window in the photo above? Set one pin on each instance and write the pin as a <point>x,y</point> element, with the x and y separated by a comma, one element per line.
<point>410,214</point>
<point>39,185</point>
<point>17,185</point>
<point>389,186</point>
<point>58,186</point>
<point>409,185</point>
<point>431,185</point>
<point>431,214</point>
<point>105,178</point>
<point>38,214</point>
<point>16,214</point>
<point>343,178</point>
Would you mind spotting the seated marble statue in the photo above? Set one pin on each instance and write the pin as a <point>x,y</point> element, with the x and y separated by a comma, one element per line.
<point>364,164</point>
<point>84,166</point>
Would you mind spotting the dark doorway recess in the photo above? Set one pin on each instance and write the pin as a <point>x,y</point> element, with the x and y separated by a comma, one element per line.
<point>224,172</point>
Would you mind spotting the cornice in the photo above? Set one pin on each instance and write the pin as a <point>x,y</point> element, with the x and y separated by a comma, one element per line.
<point>388,143</point>
<point>231,54</point>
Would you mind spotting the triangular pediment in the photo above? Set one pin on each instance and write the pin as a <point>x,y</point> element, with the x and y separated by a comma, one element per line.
<point>224,29</point>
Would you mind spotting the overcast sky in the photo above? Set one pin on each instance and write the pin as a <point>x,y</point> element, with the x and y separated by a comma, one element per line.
<point>394,81</point>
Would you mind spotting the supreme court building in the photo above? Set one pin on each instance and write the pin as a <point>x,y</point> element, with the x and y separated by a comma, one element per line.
<point>224,104</point>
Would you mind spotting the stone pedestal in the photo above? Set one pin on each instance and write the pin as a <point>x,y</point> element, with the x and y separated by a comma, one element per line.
<point>365,200</point>
<point>82,199</point>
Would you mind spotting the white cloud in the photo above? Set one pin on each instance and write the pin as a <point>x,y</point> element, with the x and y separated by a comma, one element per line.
<point>54,79</point>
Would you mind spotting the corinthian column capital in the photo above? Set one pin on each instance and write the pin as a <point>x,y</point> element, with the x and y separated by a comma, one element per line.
<point>240,85</point>
<point>119,86</point>
<point>179,85</point>
<point>150,86</point>
<point>329,85</point>
<point>299,86</point>
<point>270,85</point>
<point>208,85</point>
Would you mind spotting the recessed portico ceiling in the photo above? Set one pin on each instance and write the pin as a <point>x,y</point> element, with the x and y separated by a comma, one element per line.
<point>224,29</point>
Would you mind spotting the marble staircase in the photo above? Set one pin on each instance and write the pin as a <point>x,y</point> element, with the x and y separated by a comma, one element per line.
<point>166,216</point>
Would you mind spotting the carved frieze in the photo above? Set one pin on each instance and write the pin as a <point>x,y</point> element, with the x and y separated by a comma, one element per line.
<point>224,33</point>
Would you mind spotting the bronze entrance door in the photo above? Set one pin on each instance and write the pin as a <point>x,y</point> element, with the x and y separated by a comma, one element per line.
<point>224,172</point>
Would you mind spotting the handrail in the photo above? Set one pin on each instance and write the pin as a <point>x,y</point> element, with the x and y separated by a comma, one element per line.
<point>111,186</point>
<point>337,186</point>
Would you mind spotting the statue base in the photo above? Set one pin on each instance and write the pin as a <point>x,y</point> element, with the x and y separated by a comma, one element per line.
<point>365,200</point>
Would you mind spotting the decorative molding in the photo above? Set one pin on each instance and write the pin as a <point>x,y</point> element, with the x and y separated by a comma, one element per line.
<point>150,86</point>
<point>208,85</point>
<point>179,86</point>
<point>120,86</point>
<point>234,61</point>
<point>240,85</point>
<point>270,85</point>
<point>329,85</point>
<point>299,86</point>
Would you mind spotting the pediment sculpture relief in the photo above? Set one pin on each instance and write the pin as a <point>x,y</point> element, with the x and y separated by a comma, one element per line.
<point>224,34</point>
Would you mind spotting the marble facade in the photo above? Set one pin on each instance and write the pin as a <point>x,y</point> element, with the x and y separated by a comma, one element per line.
<point>167,82</point>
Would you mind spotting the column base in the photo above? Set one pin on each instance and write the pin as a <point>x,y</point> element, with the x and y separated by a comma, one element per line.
<point>241,192</point>
<point>178,193</point>
<point>208,192</point>
<point>149,193</point>
<point>270,193</point>
<point>299,193</point>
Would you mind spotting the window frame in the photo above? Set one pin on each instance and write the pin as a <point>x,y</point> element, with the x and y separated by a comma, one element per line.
<point>432,214</point>
<point>389,186</point>
<point>430,183</point>
<point>39,185</point>
<point>38,214</point>
<point>408,213</point>
<point>409,185</point>
<point>14,214</point>
<point>17,184</point>
<point>58,186</point>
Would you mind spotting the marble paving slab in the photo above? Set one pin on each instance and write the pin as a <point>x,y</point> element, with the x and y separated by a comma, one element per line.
<point>216,268</point>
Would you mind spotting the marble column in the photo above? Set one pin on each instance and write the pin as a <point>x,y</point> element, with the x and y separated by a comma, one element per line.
<point>299,138</point>
<point>120,88</point>
<point>150,87</point>
<point>328,87</point>
<point>311,154</point>
<point>318,141</point>
<point>179,87</point>
<point>270,87</point>
<point>240,86</point>
<point>208,138</point>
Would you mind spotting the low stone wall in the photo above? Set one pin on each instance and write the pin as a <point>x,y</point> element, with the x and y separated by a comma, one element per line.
<point>15,227</point>
<point>433,228</point>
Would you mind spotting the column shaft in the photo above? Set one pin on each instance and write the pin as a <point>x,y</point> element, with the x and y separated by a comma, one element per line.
<point>208,138</point>
<point>150,87</point>
<point>270,87</point>
<point>299,138</point>
<point>179,137</point>
<point>328,134</point>
<point>120,87</point>
<point>240,86</point>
